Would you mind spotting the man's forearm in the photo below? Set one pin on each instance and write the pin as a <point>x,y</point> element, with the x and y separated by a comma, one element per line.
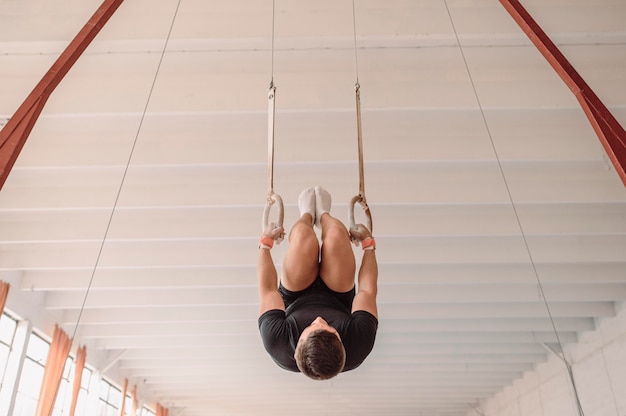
<point>368,273</point>
<point>266,271</point>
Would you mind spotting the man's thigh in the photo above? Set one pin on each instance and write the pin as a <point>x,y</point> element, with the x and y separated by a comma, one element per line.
<point>338,267</point>
<point>300,267</point>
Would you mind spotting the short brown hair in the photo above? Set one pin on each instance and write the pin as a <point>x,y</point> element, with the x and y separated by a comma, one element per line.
<point>321,356</point>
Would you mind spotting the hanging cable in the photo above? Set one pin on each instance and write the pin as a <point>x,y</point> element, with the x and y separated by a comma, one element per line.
<point>512,202</point>
<point>360,198</point>
<point>130,156</point>
<point>272,197</point>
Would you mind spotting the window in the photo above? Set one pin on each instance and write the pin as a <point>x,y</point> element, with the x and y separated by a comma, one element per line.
<point>32,376</point>
<point>64,396</point>
<point>128,405</point>
<point>63,401</point>
<point>7,332</point>
<point>81,404</point>
<point>146,412</point>
<point>110,399</point>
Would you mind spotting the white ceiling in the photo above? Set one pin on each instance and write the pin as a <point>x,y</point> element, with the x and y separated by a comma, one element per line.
<point>173,301</point>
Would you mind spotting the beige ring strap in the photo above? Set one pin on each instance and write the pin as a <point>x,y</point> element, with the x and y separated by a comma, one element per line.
<point>360,198</point>
<point>272,197</point>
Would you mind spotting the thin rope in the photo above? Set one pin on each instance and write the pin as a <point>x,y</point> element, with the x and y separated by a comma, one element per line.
<point>356,58</point>
<point>519,223</point>
<point>606,366</point>
<point>130,156</point>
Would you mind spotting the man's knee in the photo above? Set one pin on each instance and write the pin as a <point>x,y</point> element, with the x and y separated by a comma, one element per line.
<point>300,231</point>
<point>336,234</point>
<point>303,239</point>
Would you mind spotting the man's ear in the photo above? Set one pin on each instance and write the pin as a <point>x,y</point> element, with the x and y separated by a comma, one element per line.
<point>296,351</point>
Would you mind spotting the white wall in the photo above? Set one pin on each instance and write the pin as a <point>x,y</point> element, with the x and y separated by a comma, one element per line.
<point>598,361</point>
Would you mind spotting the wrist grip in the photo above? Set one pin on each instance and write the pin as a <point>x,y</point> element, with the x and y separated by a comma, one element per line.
<point>266,242</point>
<point>368,244</point>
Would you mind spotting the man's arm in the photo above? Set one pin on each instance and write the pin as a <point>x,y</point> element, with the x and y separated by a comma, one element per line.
<point>268,283</point>
<point>365,299</point>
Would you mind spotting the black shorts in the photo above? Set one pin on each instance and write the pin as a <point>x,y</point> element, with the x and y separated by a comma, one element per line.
<point>317,286</point>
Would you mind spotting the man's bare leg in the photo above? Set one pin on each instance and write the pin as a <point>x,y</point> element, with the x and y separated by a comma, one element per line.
<point>301,262</point>
<point>338,266</point>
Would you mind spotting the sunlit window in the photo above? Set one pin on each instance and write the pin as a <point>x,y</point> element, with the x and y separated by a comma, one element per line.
<point>7,332</point>
<point>63,401</point>
<point>110,399</point>
<point>32,376</point>
<point>147,412</point>
<point>81,405</point>
<point>128,405</point>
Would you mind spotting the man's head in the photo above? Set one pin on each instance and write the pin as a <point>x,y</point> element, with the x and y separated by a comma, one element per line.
<point>320,354</point>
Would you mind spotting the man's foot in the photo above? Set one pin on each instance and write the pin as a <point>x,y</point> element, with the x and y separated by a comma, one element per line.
<point>306,202</point>
<point>323,201</point>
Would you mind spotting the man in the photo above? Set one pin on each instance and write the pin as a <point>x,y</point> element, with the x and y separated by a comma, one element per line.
<point>313,322</point>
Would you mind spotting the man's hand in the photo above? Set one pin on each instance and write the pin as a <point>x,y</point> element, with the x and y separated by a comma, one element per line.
<point>275,232</point>
<point>359,233</point>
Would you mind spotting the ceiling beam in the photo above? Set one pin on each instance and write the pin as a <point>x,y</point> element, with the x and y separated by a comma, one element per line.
<point>415,248</point>
<point>609,131</point>
<point>533,314</point>
<point>528,328</point>
<point>192,353</point>
<point>404,294</point>
<point>243,327</point>
<point>431,182</point>
<point>14,134</point>
<point>537,321</point>
<point>108,278</point>
<point>232,221</point>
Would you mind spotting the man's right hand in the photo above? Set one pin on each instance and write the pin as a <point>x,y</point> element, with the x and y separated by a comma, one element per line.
<point>275,232</point>
<point>359,233</point>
